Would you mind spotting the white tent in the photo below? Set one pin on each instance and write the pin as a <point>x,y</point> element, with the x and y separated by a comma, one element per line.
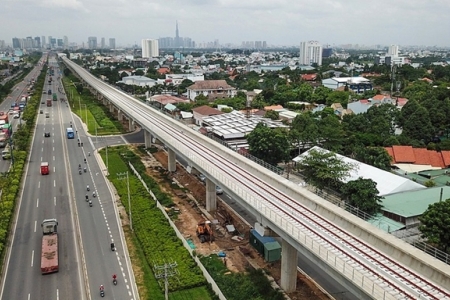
<point>387,182</point>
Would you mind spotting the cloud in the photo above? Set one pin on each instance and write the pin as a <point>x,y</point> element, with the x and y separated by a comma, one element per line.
<point>68,4</point>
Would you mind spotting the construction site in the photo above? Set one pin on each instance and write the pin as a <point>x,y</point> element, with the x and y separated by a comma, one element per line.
<point>222,231</point>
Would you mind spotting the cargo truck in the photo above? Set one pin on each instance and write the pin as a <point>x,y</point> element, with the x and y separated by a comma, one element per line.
<point>4,117</point>
<point>55,98</point>
<point>44,168</point>
<point>49,255</point>
<point>49,102</point>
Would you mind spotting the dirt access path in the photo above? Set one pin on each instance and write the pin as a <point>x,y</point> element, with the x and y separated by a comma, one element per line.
<point>239,253</point>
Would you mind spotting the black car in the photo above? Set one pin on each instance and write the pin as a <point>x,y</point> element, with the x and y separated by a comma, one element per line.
<point>47,134</point>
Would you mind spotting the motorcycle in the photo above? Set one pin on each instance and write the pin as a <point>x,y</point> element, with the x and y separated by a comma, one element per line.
<point>102,293</point>
<point>87,198</point>
<point>88,189</point>
<point>113,247</point>
<point>85,170</point>
<point>90,203</point>
<point>94,194</point>
<point>115,281</point>
<point>79,171</point>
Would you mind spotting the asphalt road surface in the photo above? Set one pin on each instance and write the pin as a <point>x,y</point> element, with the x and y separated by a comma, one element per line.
<point>85,233</point>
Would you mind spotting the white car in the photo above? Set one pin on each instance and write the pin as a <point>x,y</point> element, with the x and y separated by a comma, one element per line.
<point>16,116</point>
<point>219,190</point>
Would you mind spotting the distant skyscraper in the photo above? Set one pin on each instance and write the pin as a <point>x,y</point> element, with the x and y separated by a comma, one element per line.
<point>393,50</point>
<point>37,42</point>
<point>66,42</point>
<point>52,42</point>
<point>102,43</point>
<point>112,43</point>
<point>92,42</point>
<point>178,42</point>
<point>49,41</point>
<point>43,41</point>
<point>310,52</point>
<point>16,43</point>
<point>150,48</point>
<point>60,43</point>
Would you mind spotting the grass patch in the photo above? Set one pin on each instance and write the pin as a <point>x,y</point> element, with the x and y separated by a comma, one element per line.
<point>92,112</point>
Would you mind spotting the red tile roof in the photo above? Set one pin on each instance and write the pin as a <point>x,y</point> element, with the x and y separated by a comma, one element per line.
<point>419,156</point>
<point>163,70</point>
<point>364,101</point>
<point>422,156</point>
<point>403,154</point>
<point>309,77</point>
<point>446,157</point>
<point>211,85</point>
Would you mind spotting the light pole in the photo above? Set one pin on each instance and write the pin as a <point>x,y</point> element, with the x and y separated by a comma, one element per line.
<point>129,200</point>
<point>87,123</point>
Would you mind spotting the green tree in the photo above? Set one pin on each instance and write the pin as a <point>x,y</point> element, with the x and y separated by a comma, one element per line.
<point>323,168</point>
<point>270,145</point>
<point>272,114</point>
<point>374,156</point>
<point>418,126</point>
<point>435,225</point>
<point>362,194</point>
<point>331,133</point>
<point>304,131</point>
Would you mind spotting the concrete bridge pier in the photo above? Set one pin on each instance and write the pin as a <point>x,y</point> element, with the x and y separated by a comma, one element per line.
<point>288,280</point>
<point>119,116</point>
<point>211,197</point>
<point>131,125</point>
<point>172,162</point>
<point>111,108</point>
<point>147,138</point>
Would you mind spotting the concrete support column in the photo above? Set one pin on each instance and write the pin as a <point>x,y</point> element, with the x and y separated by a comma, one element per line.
<point>288,280</point>
<point>119,116</point>
<point>171,160</point>
<point>111,108</point>
<point>130,125</point>
<point>147,138</point>
<point>211,197</point>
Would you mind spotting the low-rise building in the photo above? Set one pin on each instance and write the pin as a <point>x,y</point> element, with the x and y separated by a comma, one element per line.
<point>177,79</point>
<point>138,80</point>
<point>212,89</point>
<point>202,112</point>
<point>358,85</point>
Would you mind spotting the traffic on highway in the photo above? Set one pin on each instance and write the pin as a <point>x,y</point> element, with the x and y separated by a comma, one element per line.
<point>66,219</point>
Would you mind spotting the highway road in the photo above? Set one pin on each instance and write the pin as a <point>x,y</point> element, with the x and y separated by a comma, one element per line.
<point>85,233</point>
<point>15,95</point>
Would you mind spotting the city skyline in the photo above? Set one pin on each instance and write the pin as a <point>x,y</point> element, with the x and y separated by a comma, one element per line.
<point>283,23</point>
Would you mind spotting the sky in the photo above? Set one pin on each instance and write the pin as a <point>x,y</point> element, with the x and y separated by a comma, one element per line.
<point>279,22</point>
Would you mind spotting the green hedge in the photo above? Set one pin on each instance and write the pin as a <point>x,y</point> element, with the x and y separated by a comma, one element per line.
<point>157,239</point>
<point>10,181</point>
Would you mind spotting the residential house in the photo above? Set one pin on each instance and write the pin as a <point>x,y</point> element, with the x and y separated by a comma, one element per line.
<point>309,77</point>
<point>339,110</point>
<point>411,159</point>
<point>204,111</point>
<point>212,89</point>
<point>177,79</point>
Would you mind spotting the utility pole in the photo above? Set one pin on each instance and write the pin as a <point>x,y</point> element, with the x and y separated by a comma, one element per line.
<point>119,175</point>
<point>164,272</point>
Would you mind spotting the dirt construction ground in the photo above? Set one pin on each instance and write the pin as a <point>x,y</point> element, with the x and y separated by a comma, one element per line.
<point>239,253</point>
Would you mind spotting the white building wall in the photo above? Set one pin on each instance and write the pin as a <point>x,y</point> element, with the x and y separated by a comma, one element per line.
<point>310,52</point>
<point>150,48</point>
<point>393,50</point>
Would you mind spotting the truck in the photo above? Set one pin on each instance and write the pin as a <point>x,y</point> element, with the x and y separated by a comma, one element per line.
<point>44,168</point>
<point>49,254</point>
<point>55,98</point>
<point>7,129</point>
<point>49,102</point>
<point>70,133</point>
<point>4,117</point>
<point>6,153</point>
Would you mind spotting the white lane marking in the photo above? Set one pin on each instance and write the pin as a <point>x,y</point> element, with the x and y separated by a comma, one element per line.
<point>54,200</point>
<point>39,185</point>
<point>53,148</point>
<point>54,183</point>
<point>42,141</point>
<point>37,202</point>
<point>41,158</point>
<point>42,149</point>
<point>35,226</point>
<point>53,141</point>
<point>53,157</point>
<point>57,294</point>
<point>32,258</point>
<point>54,169</point>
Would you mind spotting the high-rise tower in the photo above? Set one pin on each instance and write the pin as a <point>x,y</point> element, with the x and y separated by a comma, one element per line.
<point>177,37</point>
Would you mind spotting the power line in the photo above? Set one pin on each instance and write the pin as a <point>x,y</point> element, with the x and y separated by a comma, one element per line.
<point>163,273</point>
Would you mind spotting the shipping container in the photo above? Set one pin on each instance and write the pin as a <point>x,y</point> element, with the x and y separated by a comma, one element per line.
<point>272,251</point>
<point>258,241</point>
